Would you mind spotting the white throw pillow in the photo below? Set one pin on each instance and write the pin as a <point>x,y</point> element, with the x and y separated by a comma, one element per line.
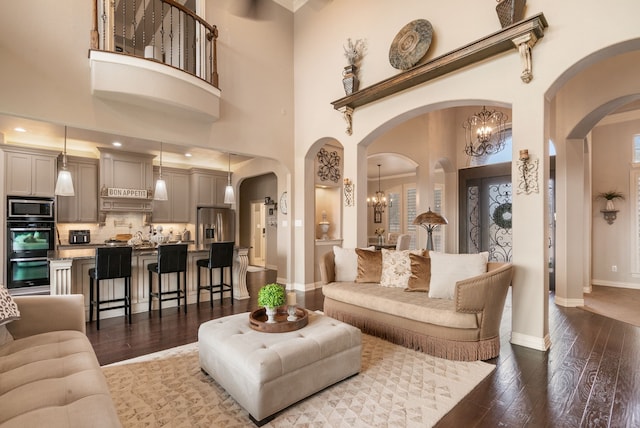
<point>346,263</point>
<point>447,269</point>
<point>8,308</point>
<point>396,267</point>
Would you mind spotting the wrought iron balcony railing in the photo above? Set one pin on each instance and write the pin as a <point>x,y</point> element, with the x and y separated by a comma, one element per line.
<point>157,30</point>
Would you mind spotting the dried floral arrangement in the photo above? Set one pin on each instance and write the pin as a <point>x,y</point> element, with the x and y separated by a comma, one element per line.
<point>354,51</point>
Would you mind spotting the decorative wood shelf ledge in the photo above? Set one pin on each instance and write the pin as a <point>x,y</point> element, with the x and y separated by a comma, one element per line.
<point>522,35</point>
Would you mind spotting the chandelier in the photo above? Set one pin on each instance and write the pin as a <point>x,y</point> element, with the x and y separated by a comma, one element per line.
<point>379,200</point>
<point>484,133</point>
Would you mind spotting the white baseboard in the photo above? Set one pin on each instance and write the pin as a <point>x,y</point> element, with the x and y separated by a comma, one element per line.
<point>568,303</point>
<point>537,343</point>
<point>615,284</point>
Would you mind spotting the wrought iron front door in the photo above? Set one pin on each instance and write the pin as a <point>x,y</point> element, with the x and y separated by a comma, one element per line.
<point>485,211</point>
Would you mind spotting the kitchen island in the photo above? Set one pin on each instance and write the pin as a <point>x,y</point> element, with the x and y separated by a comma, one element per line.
<point>69,274</point>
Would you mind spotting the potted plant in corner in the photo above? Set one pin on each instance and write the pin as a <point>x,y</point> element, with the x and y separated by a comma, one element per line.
<point>610,196</point>
<point>271,296</point>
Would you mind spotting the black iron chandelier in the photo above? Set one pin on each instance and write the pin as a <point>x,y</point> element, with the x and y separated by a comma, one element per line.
<point>485,133</point>
<point>379,200</point>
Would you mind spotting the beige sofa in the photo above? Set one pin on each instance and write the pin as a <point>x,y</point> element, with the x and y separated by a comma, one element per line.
<point>49,373</point>
<point>465,328</point>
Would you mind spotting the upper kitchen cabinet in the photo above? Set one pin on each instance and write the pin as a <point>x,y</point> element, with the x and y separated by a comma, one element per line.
<point>126,181</point>
<point>176,208</point>
<point>207,188</point>
<point>83,207</point>
<point>30,173</point>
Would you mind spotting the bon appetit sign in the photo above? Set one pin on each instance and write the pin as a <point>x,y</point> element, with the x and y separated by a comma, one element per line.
<point>118,192</point>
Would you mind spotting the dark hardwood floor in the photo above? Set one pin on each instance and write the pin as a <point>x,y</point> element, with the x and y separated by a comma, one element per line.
<point>589,377</point>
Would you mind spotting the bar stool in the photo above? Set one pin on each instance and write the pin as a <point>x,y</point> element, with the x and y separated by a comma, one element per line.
<point>171,258</point>
<point>220,257</point>
<point>111,263</point>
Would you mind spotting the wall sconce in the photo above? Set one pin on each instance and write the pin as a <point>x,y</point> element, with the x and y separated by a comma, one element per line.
<point>348,193</point>
<point>528,169</point>
<point>610,215</point>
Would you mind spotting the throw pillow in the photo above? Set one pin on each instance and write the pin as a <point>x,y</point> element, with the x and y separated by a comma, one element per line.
<point>420,273</point>
<point>346,263</point>
<point>369,265</point>
<point>447,269</point>
<point>396,267</point>
<point>8,308</point>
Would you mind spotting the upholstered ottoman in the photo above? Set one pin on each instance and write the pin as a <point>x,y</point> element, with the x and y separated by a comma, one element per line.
<point>267,372</point>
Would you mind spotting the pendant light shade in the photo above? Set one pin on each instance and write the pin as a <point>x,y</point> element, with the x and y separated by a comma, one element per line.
<point>160,192</point>
<point>64,184</point>
<point>229,197</point>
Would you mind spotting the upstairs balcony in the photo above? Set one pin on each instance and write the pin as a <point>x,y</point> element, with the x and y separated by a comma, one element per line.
<point>155,54</point>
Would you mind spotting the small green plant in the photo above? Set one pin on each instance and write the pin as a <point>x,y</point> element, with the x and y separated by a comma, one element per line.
<point>611,195</point>
<point>271,296</point>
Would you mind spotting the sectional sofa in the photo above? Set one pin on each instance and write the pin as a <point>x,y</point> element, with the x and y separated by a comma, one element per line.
<point>49,373</point>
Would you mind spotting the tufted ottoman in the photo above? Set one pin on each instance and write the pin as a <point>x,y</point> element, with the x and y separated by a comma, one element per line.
<point>267,372</point>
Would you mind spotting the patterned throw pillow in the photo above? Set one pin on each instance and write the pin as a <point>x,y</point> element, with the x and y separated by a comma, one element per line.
<point>396,267</point>
<point>8,308</point>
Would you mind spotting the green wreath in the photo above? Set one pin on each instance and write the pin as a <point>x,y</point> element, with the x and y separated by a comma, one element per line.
<point>499,215</point>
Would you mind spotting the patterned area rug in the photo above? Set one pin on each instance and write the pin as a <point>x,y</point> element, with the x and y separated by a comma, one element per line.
<point>397,387</point>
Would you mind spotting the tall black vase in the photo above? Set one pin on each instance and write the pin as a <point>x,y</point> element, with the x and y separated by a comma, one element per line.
<point>510,11</point>
<point>350,79</point>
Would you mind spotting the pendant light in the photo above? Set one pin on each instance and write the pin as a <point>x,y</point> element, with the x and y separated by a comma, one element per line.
<point>160,193</point>
<point>64,184</point>
<point>229,197</point>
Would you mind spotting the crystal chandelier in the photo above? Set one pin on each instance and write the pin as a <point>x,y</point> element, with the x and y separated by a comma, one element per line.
<point>379,200</point>
<point>484,133</point>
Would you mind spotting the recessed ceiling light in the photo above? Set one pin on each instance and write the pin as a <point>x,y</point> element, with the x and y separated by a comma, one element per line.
<point>188,155</point>
<point>18,129</point>
<point>117,144</point>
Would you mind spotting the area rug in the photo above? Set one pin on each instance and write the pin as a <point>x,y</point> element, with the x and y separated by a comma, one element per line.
<point>397,387</point>
<point>614,302</point>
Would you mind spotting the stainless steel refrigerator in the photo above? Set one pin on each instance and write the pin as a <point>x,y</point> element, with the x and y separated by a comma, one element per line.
<point>215,224</point>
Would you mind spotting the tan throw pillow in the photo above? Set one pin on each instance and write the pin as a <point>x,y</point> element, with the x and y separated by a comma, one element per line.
<point>369,265</point>
<point>420,273</point>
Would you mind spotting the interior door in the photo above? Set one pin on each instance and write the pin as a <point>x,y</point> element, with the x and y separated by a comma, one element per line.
<point>257,254</point>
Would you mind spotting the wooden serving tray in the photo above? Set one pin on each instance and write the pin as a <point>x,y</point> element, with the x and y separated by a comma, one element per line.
<point>258,321</point>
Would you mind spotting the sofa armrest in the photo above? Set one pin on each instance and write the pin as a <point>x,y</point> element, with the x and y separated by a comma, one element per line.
<point>485,293</point>
<point>42,314</point>
<point>327,268</point>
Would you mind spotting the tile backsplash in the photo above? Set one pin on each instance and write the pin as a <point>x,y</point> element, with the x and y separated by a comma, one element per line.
<point>119,223</point>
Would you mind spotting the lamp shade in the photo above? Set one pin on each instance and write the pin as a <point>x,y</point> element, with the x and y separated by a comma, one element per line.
<point>429,218</point>
<point>64,184</point>
<point>229,197</point>
<point>160,194</point>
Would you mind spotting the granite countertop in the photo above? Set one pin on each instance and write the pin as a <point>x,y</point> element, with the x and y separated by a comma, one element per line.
<point>88,251</point>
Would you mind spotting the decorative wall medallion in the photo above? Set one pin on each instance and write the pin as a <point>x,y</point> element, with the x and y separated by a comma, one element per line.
<point>410,44</point>
<point>328,165</point>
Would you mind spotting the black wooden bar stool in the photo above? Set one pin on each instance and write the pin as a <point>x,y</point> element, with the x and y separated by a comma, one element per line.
<point>111,263</point>
<point>171,258</point>
<point>220,257</point>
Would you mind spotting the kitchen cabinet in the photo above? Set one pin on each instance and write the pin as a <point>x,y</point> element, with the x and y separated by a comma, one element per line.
<point>30,173</point>
<point>207,189</point>
<point>124,170</point>
<point>83,207</point>
<point>176,208</point>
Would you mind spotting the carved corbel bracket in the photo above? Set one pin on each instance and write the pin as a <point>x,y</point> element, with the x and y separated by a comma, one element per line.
<point>524,44</point>
<point>347,114</point>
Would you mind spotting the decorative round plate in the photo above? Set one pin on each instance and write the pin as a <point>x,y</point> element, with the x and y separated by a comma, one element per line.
<point>410,44</point>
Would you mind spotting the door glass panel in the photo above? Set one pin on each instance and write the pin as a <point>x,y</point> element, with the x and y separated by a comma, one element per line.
<point>499,234</point>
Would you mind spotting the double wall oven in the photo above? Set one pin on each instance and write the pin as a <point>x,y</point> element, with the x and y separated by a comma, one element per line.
<point>30,234</point>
